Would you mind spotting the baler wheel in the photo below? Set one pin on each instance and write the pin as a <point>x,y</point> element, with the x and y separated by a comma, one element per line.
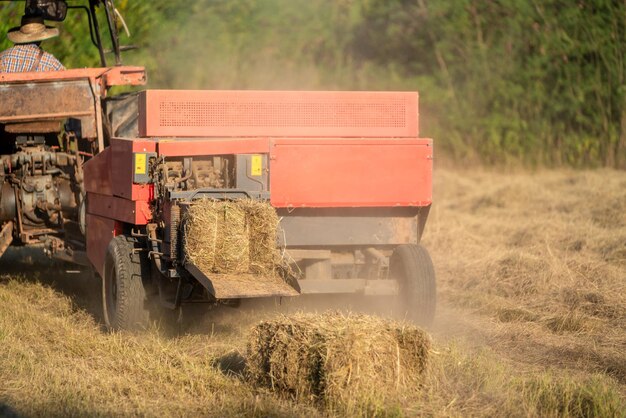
<point>412,266</point>
<point>123,292</point>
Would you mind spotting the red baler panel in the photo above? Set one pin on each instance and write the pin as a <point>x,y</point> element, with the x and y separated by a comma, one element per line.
<point>121,168</point>
<point>100,231</point>
<point>351,172</point>
<point>197,113</point>
<point>98,173</point>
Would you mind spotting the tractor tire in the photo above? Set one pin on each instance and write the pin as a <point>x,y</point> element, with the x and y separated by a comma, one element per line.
<point>412,266</point>
<point>123,291</point>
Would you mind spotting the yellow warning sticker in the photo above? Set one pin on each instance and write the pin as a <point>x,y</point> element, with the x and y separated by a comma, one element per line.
<point>140,163</point>
<point>256,166</point>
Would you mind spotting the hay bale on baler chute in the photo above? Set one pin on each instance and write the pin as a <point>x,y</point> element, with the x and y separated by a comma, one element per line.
<point>216,236</point>
<point>351,363</point>
<point>262,226</point>
<point>232,244</point>
<point>231,237</point>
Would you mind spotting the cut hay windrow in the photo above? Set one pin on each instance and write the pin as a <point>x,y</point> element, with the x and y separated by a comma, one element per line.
<point>346,362</point>
<point>231,236</point>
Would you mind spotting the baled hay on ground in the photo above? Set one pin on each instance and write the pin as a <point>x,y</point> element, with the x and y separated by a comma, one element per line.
<point>354,362</point>
<point>216,237</point>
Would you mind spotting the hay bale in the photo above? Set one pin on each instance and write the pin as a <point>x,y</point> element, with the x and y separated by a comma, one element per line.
<point>216,236</point>
<point>347,362</point>
<point>262,227</point>
<point>231,237</point>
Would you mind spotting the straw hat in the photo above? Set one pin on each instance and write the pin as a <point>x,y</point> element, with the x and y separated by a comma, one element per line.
<point>32,29</point>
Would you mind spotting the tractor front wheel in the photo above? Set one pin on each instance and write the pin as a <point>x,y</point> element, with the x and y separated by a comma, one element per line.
<point>412,266</point>
<point>123,292</point>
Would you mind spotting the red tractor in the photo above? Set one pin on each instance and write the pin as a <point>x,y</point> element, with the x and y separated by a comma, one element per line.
<point>103,181</point>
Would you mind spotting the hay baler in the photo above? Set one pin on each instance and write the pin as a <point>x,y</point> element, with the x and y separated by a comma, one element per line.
<point>346,172</point>
<point>105,181</point>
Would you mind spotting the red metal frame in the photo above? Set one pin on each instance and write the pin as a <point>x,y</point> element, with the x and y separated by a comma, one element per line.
<point>114,76</point>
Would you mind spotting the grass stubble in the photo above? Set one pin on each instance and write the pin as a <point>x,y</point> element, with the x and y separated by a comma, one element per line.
<point>531,273</point>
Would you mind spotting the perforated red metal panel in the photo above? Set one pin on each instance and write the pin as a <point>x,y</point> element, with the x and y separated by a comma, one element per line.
<point>351,172</point>
<point>193,113</point>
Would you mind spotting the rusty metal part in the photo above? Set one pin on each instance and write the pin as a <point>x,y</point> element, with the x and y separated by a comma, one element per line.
<point>41,197</point>
<point>124,76</point>
<point>33,236</point>
<point>208,173</point>
<point>67,197</point>
<point>49,100</point>
<point>6,237</point>
<point>37,159</point>
<point>155,254</point>
<point>115,76</point>
<point>173,226</point>
<point>57,248</point>
<point>40,116</point>
<point>187,170</point>
<point>33,127</point>
<point>96,90</point>
<point>38,187</point>
<point>172,171</point>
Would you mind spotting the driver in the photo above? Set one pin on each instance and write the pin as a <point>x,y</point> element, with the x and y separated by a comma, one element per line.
<point>26,54</point>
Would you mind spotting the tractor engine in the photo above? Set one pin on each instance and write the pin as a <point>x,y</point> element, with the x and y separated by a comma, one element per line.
<point>38,187</point>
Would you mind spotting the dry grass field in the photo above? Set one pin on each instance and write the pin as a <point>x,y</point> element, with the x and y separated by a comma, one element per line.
<point>531,319</point>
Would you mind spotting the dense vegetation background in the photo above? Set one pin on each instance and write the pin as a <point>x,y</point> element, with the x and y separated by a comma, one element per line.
<point>537,82</point>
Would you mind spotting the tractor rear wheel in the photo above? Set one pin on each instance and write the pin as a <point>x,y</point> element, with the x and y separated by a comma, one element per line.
<point>123,292</point>
<point>412,266</point>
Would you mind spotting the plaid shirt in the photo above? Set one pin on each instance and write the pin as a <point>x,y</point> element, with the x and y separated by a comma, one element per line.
<point>24,57</point>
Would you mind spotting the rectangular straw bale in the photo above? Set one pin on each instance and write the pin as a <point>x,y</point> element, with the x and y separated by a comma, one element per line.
<point>342,361</point>
<point>262,226</point>
<point>216,237</point>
